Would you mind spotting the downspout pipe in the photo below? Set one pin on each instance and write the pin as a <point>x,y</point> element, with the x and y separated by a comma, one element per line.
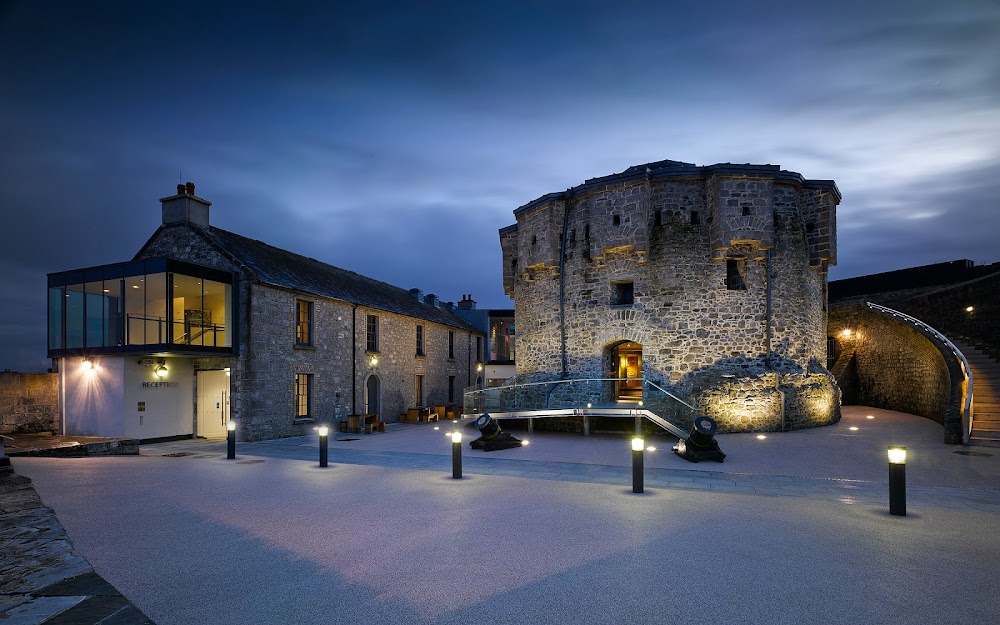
<point>354,360</point>
<point>767,358</point>
<point>564,373</point>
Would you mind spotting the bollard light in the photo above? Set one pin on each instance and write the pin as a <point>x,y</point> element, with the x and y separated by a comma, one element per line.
<point>231,440</point>
<point>897,480</point>
<point>456,455</point>
<point>637,446</point>
<point>324,439</point>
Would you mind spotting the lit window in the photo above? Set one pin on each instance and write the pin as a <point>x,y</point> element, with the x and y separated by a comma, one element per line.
<point>303,322</point>
<point>303,395</point>
<point>371,343</point>
<point>420,340</point>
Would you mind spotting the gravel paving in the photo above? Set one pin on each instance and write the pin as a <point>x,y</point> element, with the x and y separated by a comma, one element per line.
<point>793,528</point>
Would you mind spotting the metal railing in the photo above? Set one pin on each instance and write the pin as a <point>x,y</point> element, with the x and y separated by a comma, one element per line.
<point>967,413</point>
<point>573,397</point>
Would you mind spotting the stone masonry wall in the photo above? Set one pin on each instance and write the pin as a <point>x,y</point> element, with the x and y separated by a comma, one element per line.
<point>29,402</point>
<point>692,328</point>
<point>898,368</point>
<point>263,373</point>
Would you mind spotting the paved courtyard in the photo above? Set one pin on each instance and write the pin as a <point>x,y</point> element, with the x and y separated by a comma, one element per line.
<point>791,528</point>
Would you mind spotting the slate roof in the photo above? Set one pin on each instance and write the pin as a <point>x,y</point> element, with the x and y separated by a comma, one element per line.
<point>282,268</point>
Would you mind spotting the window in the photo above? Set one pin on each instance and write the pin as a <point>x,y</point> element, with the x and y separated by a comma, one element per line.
<point>451,389</point>
<point>622,294</point>
<point>736,274</point>
<point>616,220</point>
<point>418,395</point>
<point>695,218</point>
<point>303,395</point>
<point>420,340</point>
<point>746,211</point>
<point>303,322</point>
<point>451,344</point>
<point>371,340</point>
<point>479,349</point>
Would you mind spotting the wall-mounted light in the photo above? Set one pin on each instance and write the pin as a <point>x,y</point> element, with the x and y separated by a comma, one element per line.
<point>969,309</point>
<point>87,364</point>
<point>161,370</point>
<point>373,361</point>
<point>479,367</point>
<point>846,333</point>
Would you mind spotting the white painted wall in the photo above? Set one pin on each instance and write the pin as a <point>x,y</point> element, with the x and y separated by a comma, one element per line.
<point>169,401</point>
<point>93,398</point>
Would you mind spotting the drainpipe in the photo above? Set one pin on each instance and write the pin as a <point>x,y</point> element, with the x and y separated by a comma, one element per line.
<point>562,288</point>
<point>767,281</point>
<point>354,360</point>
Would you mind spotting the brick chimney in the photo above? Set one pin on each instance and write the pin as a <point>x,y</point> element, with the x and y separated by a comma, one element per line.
<point>185,207</point>
<point>431,300</point>
<point>467,303</point>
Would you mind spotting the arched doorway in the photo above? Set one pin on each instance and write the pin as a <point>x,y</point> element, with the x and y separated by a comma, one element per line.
<point>373,391</point>
<point>626,365</point>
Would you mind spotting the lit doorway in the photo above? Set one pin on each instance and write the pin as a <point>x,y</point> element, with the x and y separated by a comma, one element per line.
<point>626,359</point>
<point>213,403</point>
<point>373,389</point>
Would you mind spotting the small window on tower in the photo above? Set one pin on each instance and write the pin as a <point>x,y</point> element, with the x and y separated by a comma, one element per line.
<point>616,220</point>
<point>695,218</point>
<point>736,274</point>
<point>622,294</point>
<point>746,211</point>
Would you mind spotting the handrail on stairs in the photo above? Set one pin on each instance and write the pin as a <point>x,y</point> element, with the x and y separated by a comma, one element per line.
<point>967,413</point>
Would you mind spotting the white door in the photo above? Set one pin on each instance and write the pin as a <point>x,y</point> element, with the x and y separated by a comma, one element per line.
<point>213,403</point>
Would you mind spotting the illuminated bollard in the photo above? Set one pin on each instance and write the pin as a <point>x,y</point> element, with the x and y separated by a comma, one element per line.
<point>231,440</point>
<point>897,480</point>
<point>324,439</point>
<point>637,446</point>
<point>456,455</point>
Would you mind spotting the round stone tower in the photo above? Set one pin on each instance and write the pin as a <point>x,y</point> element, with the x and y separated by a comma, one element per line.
<point>706,282</point>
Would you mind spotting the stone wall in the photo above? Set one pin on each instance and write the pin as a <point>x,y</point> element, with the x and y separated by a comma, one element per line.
<point>29,402</point>
<point>899,368</point>
<point>263,373</point>
<point>673,235</point>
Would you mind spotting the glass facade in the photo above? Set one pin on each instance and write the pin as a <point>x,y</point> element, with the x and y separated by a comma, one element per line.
<point>162,304</point>
<point>502,339</point>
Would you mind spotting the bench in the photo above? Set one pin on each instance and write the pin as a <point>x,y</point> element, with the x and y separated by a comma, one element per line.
<point>420,414</point>
<point>356,423</point>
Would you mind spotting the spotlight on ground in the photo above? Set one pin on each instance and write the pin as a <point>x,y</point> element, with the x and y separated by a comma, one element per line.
<point>493,437</point>
<point>700,443</point>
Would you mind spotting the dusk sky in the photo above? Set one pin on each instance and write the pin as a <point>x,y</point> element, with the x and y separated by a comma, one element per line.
<point>395,139</point>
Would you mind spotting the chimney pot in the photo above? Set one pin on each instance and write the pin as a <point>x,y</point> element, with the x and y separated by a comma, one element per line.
<point>189,187</point>
<point>180,189</point>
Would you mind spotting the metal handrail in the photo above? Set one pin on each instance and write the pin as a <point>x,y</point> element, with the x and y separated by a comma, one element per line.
<point>672,396</point>
<point>643,380</point>
<point>967,408</point>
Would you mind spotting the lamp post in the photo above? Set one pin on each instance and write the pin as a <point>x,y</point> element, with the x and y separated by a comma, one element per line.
<point>231,440</point>
<point>456,455</point>
<point>324,439</point>
<point>897,480</point>
<point>637,446</point>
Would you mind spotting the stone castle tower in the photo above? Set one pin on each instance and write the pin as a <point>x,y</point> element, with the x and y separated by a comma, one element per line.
<point>709,282</point>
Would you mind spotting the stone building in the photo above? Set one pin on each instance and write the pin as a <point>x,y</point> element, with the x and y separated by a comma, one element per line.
<point>705,281</point>
<point>205,325</point>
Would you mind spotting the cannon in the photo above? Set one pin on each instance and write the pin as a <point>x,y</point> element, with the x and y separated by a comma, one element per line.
<point>491,436</point>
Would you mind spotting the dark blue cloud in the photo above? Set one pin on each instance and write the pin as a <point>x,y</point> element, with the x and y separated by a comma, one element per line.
<point>395,139</point>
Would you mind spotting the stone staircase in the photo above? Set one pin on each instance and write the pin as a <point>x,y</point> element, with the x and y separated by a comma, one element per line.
<point>985,393</point>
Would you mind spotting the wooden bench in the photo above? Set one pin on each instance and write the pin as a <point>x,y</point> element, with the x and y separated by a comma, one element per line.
<point>420,414</point>
<point>356,423</point>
